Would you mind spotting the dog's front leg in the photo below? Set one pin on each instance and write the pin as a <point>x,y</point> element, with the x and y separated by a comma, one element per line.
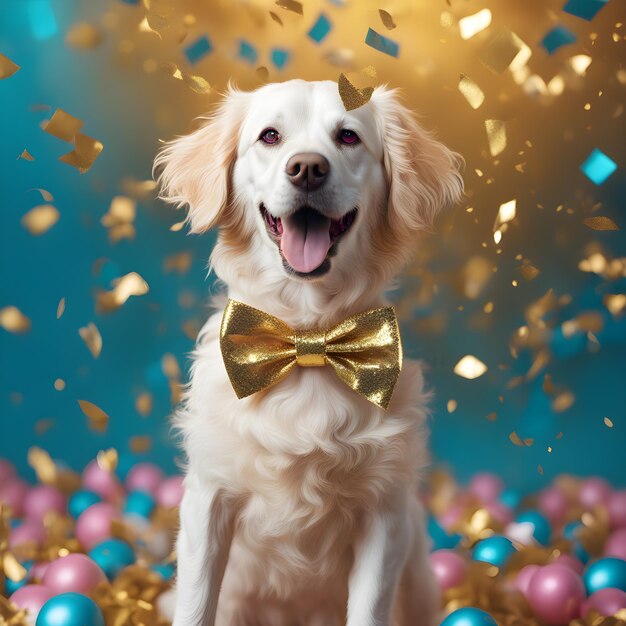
<point>379,556</point>
<point>206,526</point>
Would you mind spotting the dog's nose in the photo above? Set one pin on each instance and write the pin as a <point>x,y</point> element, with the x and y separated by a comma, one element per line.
<point>308,170</point>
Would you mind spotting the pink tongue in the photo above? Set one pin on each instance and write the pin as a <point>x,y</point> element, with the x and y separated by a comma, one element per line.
<point>305,240</point>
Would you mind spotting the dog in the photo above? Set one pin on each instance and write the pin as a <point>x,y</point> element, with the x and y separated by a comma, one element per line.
<point>300,504</point>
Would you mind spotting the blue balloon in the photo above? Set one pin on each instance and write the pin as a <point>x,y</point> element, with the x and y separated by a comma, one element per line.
<point>569,532</point>
<point>469,616</point>
<point>81,500</point>
<point>165,570</point>
<point>70,609</point>
<point>440,539</point>
<point>112,555</point>
<point>541,526</point>
<point>140,503</point>
<point>11,586</point>
<point>605,573</point>
<point>495,550</point>
<point>511,498</point>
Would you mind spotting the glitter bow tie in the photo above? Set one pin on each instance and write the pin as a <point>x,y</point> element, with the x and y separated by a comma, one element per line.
<point>260,350</point>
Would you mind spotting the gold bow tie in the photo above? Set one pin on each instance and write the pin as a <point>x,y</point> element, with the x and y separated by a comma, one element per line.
<point>260,350</point>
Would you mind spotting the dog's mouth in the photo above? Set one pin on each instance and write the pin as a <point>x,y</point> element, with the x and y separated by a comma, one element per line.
<point>306,237</point>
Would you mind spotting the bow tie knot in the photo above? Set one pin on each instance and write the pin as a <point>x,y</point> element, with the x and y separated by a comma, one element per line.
<point>310,348</point>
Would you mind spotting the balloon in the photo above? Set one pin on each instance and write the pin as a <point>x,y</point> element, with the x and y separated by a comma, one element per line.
<point>31,598</point>
<point>70,609</point>
<point>605,573</point>
<point>570,532</point>
<point>74,572</point>
<point>616,544</point>
<point>449,568</point>
<point>555,593</point>
<point>94,524</point>
<point>593,491</point>
<point>499,511</point>
<point>102,482</point>
<point>511,498</point>
<point>170,492</point>
<point>469,616</point>
<point>617,509</point>
<point>12,495</point>
<point>487,487</point>
<point>607,602</point>
<point>81,500</point>
<point>7,471</point>
<point>140,503</point>
<point>541,530</point>
<point>553,503</point>
<point>495,550</point>
<point>440,539</point>
<point>522,580</point>
<point>112,555</point>
<point>569,560</point>
<point>42,499</point>
<point>164,570</point>
<point>29,531</point>
<point>144,477</point>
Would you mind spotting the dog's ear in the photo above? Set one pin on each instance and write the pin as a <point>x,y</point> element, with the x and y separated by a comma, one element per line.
<point>423,175</point>
<point>195,170</point>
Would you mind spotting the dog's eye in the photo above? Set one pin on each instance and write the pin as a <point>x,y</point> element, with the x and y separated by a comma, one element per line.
<point>349,137</point>
<point>270,136</point>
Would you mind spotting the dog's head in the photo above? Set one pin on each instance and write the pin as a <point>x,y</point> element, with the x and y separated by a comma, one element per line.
<point>312,188</point>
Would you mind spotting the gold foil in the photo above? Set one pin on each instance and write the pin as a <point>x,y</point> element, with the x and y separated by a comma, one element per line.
<point>7,67</point>
<point>260,350</point>
<point>98,419</point>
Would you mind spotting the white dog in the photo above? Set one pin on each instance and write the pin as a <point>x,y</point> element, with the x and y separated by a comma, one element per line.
<point>300,503</point>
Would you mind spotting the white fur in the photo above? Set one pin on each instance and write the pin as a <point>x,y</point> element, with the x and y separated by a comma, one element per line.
<point>300,504</point>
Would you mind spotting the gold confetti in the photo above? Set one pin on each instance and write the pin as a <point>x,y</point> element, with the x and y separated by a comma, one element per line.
<point>473,24</point>
<point>43,426</point>
<point>386,19</point>
<point>26,156</point>
<point>470,367</point>
<point>197,83</point>
<point>608,422</point>
<point>43,465</point>
<point>500,50</point>
<point>170,366</point>
<point>140,444</point>
<point>131,284</point>
<point>45,194</point>
<point>84,156</point>
<point>600,222</point>
<point>83,36</point>
<point>143,404</point>
<point>529,272</point>
<point>107,459</point>
<point>452,406</point>
<point>351,94</point>
<point>615,303</point>
<point>40,219</point>
<point>178,226</point>
<point>13,569</point>
<point>92,338</point>
<point>7,67</point>
<point>563,401</point>
<point>98,419</point>
<point>276,18</point>
<point>496,134</point>
<point>13,320</point>
<point>290,5</point>
<point>471,91</point>
<point>60,308</point>
<point>59,384</point>
<point>540,469</point>
<point>64,126</point>
<point>119,220</point>
<point>139,189</point>
<point>180,262</point>
<point>515,439</point>
<point>492,417</point>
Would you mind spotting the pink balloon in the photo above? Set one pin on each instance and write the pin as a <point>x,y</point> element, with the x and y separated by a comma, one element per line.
<point>553,503</point>
<point>606,601</point>
<point>31,598</point>
<point>94,524</point>
<point>500,512</point>
<point>7,471</point>
<point>616,544</point>
<point>38,569</point>
<point>524,576</point>
<point>144,477</point>
<point>170,492</point>
<point>617,508</point>
<point>593,491</point>
<point>451,516</point>
<point>74,572</point>
<point>29,531</point>
<point>487,487</point>
<point>12,494</point>
<point>43,499</point>
<point>449,568</point>
<point>569,560</point>
<point>556,593</point>
<point>102,482</point>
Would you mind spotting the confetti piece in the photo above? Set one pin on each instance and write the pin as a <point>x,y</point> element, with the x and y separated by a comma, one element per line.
<point>276,18</point>
<point>506,212</point>
<point>352,97</point>
<point>46,195</point>
<point>615,303</point>
<point>247,52</point>
<point>13,569</point>
<point>608,422</point>
<point>64,126</point>
<point>43,426</point>
<point>471,91</point>
<point>131,284</point>
<point>87,151</point>
<point>180,262</point>
<point>198,84</point>
<point>579,63</point>
<point>83,36</point>
<point>98,419</point>
<point>279,57</point>
<point>563,401</point>
<point>598,166</point>
<point>529,272</point>
<point>119,220</point>
<point>60,308</point>
<point>92,338</point>
<point>13,320</point>
<point>59,384</point>
<point>26,155</point>
<point>196,51</point>
<point>143,404</point>
<point>470,367</point>
<point>500,51</point>
<point>473,24</point>
<point>141,189</point>
<point>178,226</point>
<point>107,459</point>
<point>40,219</point>
<point>7,67</point>
<point>556,38</point>
<point>496,135</point>
<point>492,417</point>
<point>451,406</point>
<point>381,43</point>
<point>140,444</point>
<point>290,5</point>
<point>515,439</point>
<point>320,29</point>
<point>386,19</point>
<point>585,9</point>
<point>600,222</point>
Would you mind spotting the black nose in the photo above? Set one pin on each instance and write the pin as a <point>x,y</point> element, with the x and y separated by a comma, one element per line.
<point>308,170</point>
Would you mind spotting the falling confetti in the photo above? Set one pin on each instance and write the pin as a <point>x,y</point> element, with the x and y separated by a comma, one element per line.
<point>26,156</point>
<point>556,38</point>
<point>586,9</point>
<point>131,284</point>
<point>600,222</point>
<point>120,218</point>
<point>92,338</point>
<point>474,24</point>
<point>381,43</point>
<point>471,91</point>
<point>352,97</point>
<point>598,166</point>
<point>63,126</point>
<point>290,5</point>
<point>140,444</point>
<point>60,308</point>
<point>608,422</point>
<point>7,67</point>
<point>500,51</point>
<point>496,134</point>
<point>319,31</point>
<point>40,219</point>
<point>143,404</point>
<point>13,320</point>
<point>386,19</point>
<point>108,459</point>
<point>98,419</point>
<point>470,367</point>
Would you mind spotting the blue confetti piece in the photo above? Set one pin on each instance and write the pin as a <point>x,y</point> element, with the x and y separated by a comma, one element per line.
<point>598,166</point>
<point>279,58</point>
<point>198,49</point>
<point>381,43</point>
<point>247,52</point>
<point>586,9</point>
<point>42,20</point>
<point>559,36</point>
<point>320,29</point>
